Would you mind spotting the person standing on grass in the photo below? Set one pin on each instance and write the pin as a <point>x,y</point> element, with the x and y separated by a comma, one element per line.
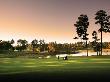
<point>58,57</point>
<point>66,58</point>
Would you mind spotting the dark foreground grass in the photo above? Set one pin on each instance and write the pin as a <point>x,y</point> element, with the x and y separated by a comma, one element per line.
<point>52,69</point>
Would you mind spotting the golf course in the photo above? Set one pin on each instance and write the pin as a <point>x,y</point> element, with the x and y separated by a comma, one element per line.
<point>53,68</point>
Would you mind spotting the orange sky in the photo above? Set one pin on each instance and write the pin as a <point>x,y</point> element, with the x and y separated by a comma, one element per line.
<point>51,20</point>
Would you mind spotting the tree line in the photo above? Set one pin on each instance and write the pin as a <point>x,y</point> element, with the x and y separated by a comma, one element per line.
<point>103,19</point>
<point>52,48</point>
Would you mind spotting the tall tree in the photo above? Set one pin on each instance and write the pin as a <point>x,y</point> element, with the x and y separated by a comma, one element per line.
<point>81,28</point>
<point>103,19</point>
<point>95,45</point>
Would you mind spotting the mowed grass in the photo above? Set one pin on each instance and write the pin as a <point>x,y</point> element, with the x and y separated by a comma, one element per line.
<point>53,65</point>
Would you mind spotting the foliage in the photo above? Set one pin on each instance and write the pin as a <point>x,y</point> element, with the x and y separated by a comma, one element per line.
<point>82,25</point>
<point>22,45</point>
<point>52,47</point>
<point>6,45</point>
<point>34,44</point>
<point>81,28</point>
<point>94,34</point>
<point>95,44</point>
<point>42,45</point>
<point>103,19</point>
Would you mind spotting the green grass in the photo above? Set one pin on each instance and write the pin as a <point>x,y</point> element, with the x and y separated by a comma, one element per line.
<point>53,65</point>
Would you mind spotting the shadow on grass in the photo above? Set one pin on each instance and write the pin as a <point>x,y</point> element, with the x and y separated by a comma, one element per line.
<point>56,77</point>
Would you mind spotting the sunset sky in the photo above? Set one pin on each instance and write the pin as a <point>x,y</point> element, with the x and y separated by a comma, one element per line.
<point>51,20</point>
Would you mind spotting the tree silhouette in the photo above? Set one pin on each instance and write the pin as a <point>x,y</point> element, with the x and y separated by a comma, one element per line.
<point>5,45</point>
<point>22,44</point>
<point>12,42</point>
<point>34,44</point>
<point>95,44</point>
<point>81,28</point>
<point>103,19</point>
<point>94,34</point>
<point>42,45</point>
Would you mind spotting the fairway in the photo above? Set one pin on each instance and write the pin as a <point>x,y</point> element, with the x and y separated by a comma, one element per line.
<point>74,64</point>
<point>52,67</point>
